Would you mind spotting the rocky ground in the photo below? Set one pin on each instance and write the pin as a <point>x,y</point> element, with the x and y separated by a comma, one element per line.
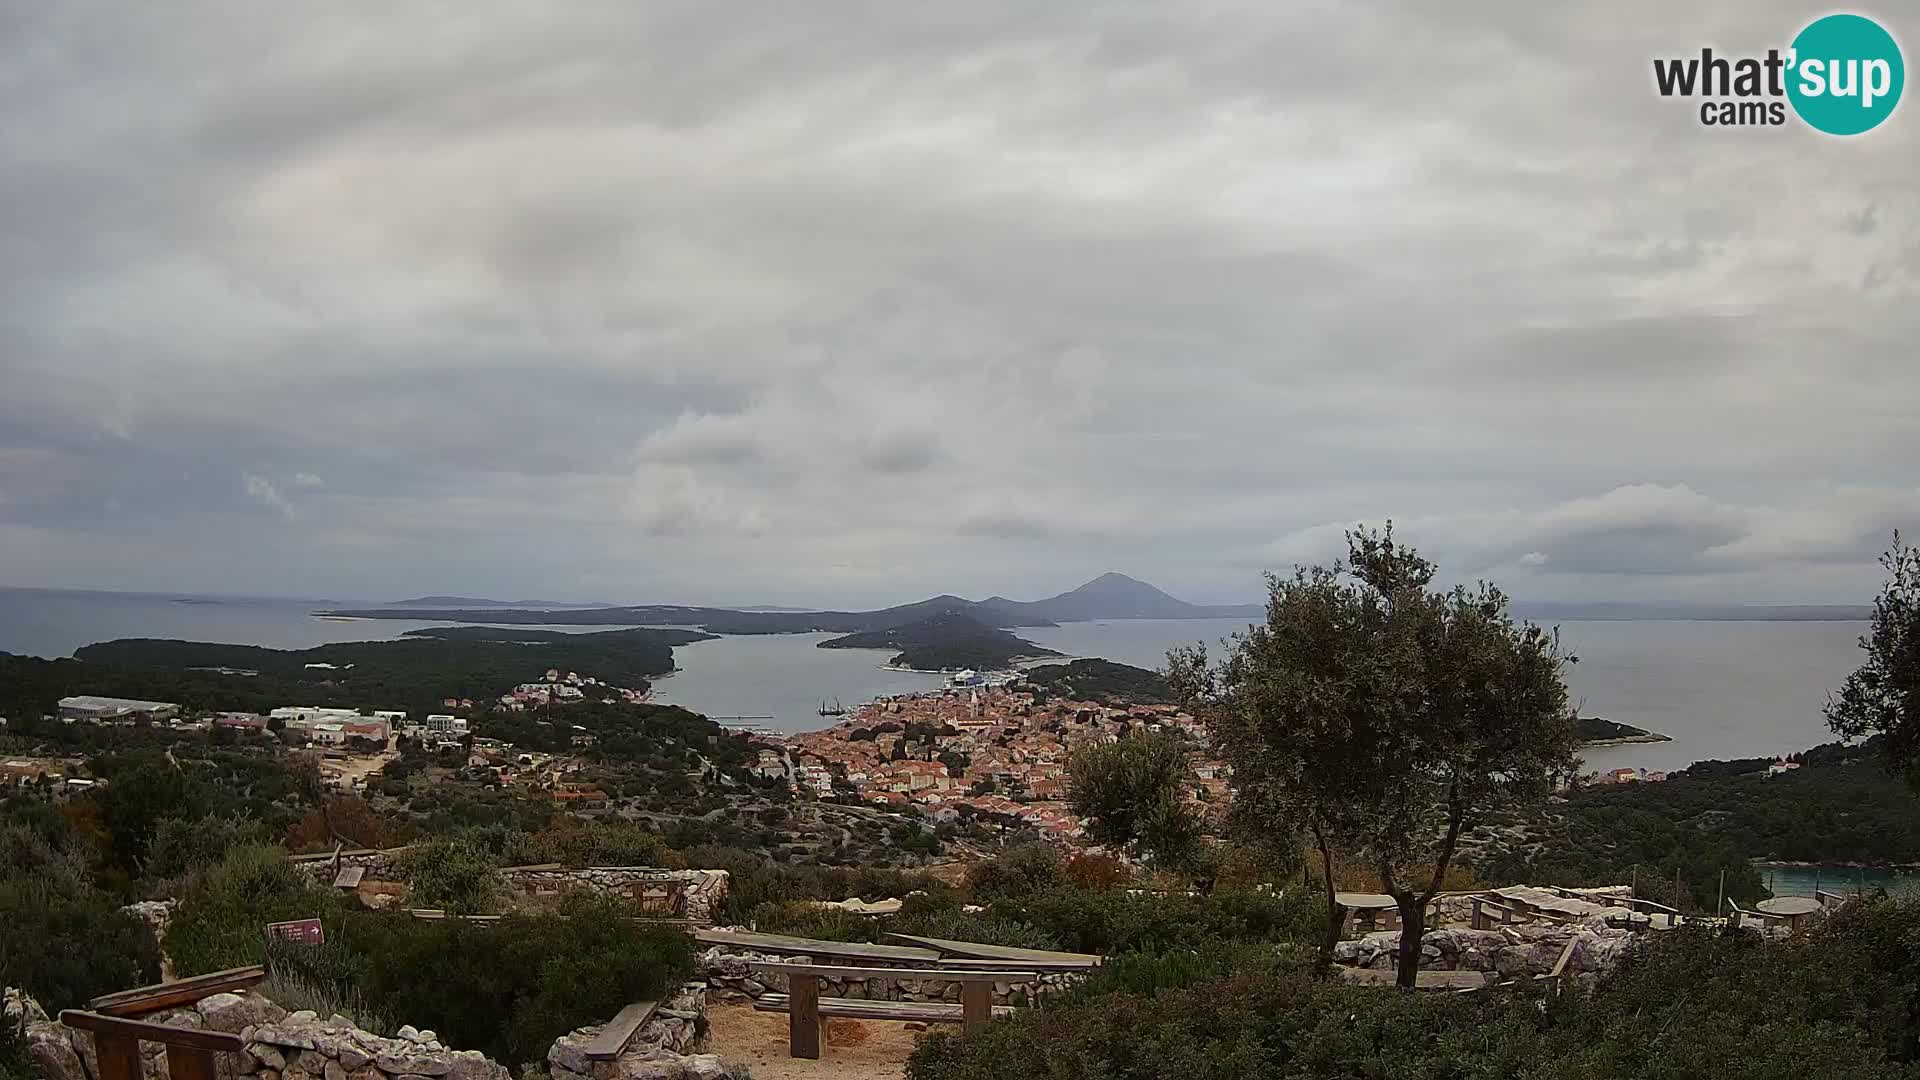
<point>854,1050</point>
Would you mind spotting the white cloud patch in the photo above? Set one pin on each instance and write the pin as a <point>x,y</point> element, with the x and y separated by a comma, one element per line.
<point>262,491</point>
<point>853,304</point>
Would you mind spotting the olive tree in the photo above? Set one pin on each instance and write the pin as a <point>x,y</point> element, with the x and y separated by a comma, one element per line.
<point>1383,717</point>
<point>1883,696</point>
<point>1132,794</point>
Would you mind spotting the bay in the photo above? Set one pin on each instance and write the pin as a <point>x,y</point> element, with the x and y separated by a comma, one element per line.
<point>1718,689</point>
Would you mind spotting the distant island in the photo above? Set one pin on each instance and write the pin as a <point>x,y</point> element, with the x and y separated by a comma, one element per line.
<point>1109,596</point>
<point>482,602</point>
<point>414,672</point>
<point>1101,680</point>
<point>945,641</point>
<point>1599,731</point>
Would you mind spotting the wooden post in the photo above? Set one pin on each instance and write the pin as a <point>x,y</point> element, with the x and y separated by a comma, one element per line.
<point>1475,921</point>
<point>189,1063</point>
<point>1675,919</point>
<point>803,1016</point>
<point>1636,879</point>
<point>119,1056</point>
<point>976,1004</point>
<point>1720,905</point>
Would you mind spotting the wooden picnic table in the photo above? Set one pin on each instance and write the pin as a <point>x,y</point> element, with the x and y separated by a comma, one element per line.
<point>1043,959</point>
<point>1793,909</point>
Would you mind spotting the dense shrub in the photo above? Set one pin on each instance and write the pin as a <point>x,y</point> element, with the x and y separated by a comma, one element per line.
<point>1017,873</point>
<point>181,845</point>
<point>453,873</point>
<point>508,988</point>
<point>1249,1027</point>
<point>64,941</point>
<point>1120,921</point>
<point>16,1063</point>
<point>1151,973</point>
<point>1842,1001</point>
<point>224,909</point>
<point>62,938</point>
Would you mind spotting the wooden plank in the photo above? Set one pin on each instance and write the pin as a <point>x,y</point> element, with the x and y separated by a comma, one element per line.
<point>619,1031</point>
<point>831,971</point>
<point>189,1063</point>
<point>120,1027</point>
<point>349,877</point>
<point>851,950</point>
<point>976,1004</point>
<point>803,1017</point>
<point>118,1055</point>
<point>965,963</point>
<point>146,999</point>
<point>975,950</point>
<point>933,1012</point>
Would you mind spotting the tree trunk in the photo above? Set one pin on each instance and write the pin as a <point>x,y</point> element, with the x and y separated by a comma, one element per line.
<point>1413,927</point>
<point>1324,966</point>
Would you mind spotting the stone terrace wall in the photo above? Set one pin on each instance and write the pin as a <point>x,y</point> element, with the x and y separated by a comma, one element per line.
<point>279,1046</point>
<point>1531,949</point>
<point>695,894</point>
<point>664,1047</point>
<point>731,978</point>
<point>692,894</point>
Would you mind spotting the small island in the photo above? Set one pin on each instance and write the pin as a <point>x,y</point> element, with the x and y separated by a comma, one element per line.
<point>1094,679</point>
<point>945,641</point>
<point>1599,731</point>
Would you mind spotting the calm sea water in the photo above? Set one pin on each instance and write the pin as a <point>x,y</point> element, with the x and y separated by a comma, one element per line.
<point>1719,689</point>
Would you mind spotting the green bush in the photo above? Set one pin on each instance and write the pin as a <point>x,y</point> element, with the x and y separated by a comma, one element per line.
<point>1109,922</point>
<point>181,845</point>
<point>224,909</point>
<point>15,1061</point>
<point>508,988</point>
<point>1837,1003</point>
<point>1017,874</point>
<point>1151,973</point>
<point>64,941</point>
<point>454,873</point>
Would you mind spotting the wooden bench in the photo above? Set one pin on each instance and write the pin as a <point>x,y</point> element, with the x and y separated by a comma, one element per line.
<point>613,1038</point>
<point>807,1010</point>
<point>149,999</point>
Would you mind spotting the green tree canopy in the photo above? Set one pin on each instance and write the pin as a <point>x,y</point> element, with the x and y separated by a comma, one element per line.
<point>1384,717</point>
<point>1883,696</point>
<point>1133,796</point>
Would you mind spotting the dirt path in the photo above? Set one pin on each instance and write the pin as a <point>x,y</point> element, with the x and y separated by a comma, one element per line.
<point>855,1050</point>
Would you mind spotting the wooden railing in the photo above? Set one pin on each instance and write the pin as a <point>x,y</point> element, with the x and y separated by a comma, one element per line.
<point>117,1037</point>
<point>116,1043</point>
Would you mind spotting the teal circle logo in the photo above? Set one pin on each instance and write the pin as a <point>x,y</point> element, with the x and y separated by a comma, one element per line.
<point>1846,74</point>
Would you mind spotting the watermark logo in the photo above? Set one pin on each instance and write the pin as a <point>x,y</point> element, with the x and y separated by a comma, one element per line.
<point>1843,75</point>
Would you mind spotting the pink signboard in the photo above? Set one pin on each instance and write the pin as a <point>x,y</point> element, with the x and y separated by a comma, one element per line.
<point>302,931</point>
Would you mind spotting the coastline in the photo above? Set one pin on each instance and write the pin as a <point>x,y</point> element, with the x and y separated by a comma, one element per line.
<point>1626,740</point>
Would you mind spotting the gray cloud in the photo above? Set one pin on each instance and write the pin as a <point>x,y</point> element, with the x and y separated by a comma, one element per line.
<point>851,302</point>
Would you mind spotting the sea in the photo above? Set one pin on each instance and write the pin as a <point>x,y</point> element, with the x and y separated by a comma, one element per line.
<point>1716,689</point>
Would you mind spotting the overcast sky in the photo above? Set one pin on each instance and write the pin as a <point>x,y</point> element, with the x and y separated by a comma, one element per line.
<point>849,303</point>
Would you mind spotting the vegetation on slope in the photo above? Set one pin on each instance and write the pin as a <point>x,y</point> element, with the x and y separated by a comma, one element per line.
<point>413,673</point>
<point>946,641</point>
<point>1101,680</point>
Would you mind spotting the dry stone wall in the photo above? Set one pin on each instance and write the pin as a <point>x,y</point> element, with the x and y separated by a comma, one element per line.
<point>731,977</point>
<point>664,1048</point>
<point>279,1046</point>
<point>1531,949</point>
<point>691,894</point>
